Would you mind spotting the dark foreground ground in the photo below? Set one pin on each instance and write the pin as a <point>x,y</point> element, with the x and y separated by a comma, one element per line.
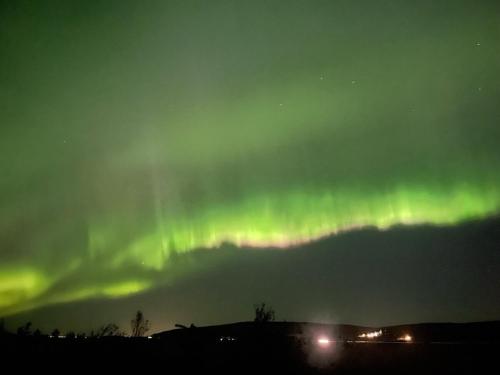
<point>258,350</point>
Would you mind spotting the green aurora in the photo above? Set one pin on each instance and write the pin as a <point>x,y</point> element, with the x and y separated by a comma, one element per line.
<point>133,134</point>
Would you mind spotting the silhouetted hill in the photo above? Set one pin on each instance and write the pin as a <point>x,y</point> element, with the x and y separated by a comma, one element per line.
<point>422,332</point>
<point>275,347</point>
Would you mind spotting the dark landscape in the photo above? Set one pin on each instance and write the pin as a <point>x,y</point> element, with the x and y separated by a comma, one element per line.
<point>283,347</point>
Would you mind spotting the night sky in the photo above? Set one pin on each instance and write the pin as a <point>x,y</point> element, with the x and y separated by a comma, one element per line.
<point>337,159</point>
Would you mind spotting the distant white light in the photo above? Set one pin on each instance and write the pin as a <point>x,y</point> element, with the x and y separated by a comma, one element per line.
<point>323,341</point>
<point>150,337</point>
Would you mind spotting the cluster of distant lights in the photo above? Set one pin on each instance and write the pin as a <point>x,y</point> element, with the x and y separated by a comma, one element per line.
<point>375,334</point>
<point>227,338</point>
<point>321,341</point>
<point>86,337</point>
<point>371,335</point>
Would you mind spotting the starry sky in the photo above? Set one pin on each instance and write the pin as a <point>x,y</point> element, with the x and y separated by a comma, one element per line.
<point>172,150</point>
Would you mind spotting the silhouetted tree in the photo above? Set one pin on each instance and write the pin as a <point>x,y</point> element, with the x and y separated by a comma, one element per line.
<point>70,335</point>
<point>139,325</point>
<point>2,327</point>
<point>24,330</point>
<point>109,329</point>
<point>81,335</point>
<point>263,314</point>
<point>37,333</point>
<point>120,333</point>
<point>55,333</point>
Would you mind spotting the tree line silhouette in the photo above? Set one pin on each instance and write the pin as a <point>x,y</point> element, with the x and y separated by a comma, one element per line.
<point>139,326</point>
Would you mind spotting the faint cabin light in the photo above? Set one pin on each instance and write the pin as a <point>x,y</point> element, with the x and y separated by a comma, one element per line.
<point>405,338</point>
<point>150,337</point>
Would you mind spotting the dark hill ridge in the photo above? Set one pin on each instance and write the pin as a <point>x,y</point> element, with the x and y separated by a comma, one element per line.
<point>422,332</point>
<point>243,329</point>
<point>276,347</point>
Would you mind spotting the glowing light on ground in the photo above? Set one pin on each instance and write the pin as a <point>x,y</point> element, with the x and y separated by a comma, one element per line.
<point>324,342</point>
<point>405,338</point>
